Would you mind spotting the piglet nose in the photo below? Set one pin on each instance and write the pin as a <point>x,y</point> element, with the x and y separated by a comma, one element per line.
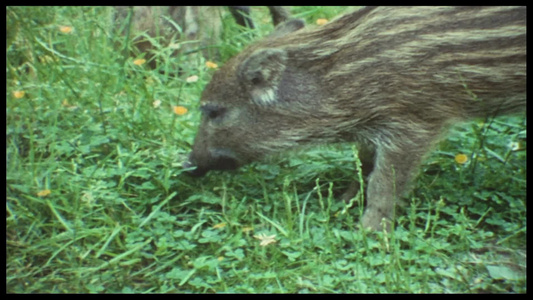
<point>197,172</point>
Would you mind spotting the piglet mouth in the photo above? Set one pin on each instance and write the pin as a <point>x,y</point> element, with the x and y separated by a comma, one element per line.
<point>220,159</point>
<point>194,171</point>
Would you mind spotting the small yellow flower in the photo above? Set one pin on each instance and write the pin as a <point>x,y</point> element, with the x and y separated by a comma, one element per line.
<point>156,103</point>
<point>179,110</point>
<point>139,62</point>
<point>265,239</point>
<point>65,29</point>
<point>321,21</point>
<point>192,78</point>
<point>44,193</point>
<point>461,158</point>
<point>220,258</point>
<point>18,94</point>
<point>211,65</point>
<point>220,225</point>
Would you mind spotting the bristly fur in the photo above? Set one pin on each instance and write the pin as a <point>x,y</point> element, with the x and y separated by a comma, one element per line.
<point>390,78</point>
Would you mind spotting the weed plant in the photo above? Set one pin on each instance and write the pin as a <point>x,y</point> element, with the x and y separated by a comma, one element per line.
<point>96,200</point>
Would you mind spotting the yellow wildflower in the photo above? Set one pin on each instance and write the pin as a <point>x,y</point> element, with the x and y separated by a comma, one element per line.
<point>65,29</point>
<point>139,62</point>
<point>44,193</point>
<point>461,158</point>
<point>179,110</point>
<point>211,65</point>
<point>321,21</point>
<point>18,94</point>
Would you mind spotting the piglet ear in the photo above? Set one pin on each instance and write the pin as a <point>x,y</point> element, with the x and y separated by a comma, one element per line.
<point>261,73</point>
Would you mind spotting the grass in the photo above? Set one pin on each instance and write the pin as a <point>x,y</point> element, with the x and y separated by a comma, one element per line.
<point>96,202</point>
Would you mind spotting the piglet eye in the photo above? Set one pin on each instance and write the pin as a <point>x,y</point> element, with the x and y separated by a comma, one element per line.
<point>213,112</point>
